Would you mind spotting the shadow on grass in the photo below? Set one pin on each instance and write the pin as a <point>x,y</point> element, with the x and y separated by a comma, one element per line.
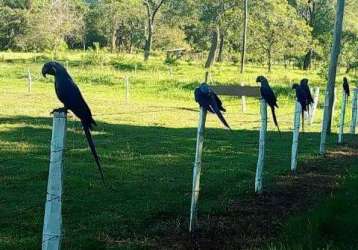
<point>151,167</point>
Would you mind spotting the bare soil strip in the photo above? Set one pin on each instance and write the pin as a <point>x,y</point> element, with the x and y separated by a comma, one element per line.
<point>252,222</point>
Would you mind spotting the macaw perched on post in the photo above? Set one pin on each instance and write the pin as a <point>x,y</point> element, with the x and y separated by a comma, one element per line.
<point>70,95</point>
<point>269,96</point>
<point>208,99</point>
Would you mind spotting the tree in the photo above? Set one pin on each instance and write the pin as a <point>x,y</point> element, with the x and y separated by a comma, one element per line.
<point>327,115</point>
<point>212,14</point>
<point>350,50</point>
<point>277,31</point>
<point>244,33</point>
<point>13,22</point>
<point>51,24</point>
<point>116,23</point>
<point>319,15</point>
<point>152,8</point>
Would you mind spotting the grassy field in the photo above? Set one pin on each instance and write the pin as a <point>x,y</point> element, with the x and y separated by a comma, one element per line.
<point>147,148</point>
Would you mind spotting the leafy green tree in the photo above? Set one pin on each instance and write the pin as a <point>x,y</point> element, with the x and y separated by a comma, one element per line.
<point>13,22</point>
<point>152,8</point>
<point>350,50</point>
<point>116,23</point>
<point>319,15</point>
<point>50,24</point>
<point>276,31</point>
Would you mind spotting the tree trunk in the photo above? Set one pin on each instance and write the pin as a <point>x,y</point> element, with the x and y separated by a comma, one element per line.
<point>221,48</point>
<point>113,40</point>
<point>130,49</point>
<point>327,116</point>
<point>214,45</point>
<point>244,34</point>
<point>148,43</point>
<point>269,60</point>
<point>151,12</point>
<point>308,59</point>
<point>348,68</point>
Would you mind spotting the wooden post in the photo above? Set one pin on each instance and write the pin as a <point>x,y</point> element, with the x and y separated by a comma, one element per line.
<point>260,161</point>
<point>315,104</point>
<point>210,78</point>
<point>196,171</point>
<point>29,81</point>
<point>354,111</point>
<point>243,102</point>
<point>170,70</point>
<point>52,228</point>
<point>126,85</point>
<point>341,118</point>
<point>296,133</point>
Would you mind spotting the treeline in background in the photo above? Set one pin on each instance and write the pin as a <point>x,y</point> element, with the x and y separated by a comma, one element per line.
<point>297,32</point>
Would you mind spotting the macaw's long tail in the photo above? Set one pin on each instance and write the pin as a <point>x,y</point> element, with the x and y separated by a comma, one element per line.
<point>216,105</point>
<point>275,119</point>
<point>222,119</point>
<point>93,150</point>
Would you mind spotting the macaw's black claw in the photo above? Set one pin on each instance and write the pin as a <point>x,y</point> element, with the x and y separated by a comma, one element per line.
<point>59,110</point>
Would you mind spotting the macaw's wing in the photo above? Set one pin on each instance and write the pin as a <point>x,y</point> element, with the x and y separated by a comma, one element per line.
<point>307,92</point>
<point>77,104</point>
<point>269,96</point>
<point>302,98</point>
<point>346,88</point>
<point>219,103</point>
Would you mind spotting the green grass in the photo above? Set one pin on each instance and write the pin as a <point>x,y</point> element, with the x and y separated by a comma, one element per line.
<point>331,224</point>
<point>147,149</point>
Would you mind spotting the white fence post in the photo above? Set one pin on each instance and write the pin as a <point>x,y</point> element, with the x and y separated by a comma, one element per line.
<point>196,171</point>
<point>314,106</point>
<point>296,133</point>
<point>322,147</point>
<point>261,157</point>
<point>243,102</point>
<point>354,111</point>
<point>341,117</point>
<point>29,81</point>
<point>52,228</point>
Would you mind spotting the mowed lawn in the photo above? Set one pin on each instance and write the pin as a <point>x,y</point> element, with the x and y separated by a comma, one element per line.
<point>147,149</point>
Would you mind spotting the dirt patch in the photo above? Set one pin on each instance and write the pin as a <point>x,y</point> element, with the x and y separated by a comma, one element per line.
<point>253,221</point>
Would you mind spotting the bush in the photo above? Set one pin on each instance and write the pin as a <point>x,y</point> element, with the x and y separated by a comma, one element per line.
<point>171,60</point>
<point>96,56</point>
<point>235,59</point>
